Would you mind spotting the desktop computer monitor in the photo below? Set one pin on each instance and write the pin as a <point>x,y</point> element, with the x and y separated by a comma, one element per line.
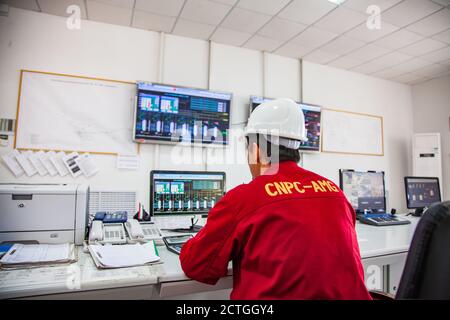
<point>421,192</point>
<point>185,192</point>
<point>312,115</point>
<point>169,114</point>
<point>364,189</point>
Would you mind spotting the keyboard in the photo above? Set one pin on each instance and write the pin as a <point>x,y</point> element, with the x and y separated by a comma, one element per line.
<point>382,220</point>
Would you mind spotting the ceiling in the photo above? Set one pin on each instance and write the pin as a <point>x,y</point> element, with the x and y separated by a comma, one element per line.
<point>412,45</point>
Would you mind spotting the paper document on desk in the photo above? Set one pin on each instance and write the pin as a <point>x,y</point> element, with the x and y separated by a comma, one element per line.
<point>121,256</point>
<point>29,255</point>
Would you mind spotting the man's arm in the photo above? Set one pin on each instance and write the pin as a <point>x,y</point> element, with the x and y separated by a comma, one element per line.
<point>205,257</point>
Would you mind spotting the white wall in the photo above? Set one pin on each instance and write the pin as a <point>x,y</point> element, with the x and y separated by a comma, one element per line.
<point>431,113</point>
<point>37,41</point>
<point>339,89</point>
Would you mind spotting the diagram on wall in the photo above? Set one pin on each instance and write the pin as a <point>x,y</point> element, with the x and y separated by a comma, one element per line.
<point>352,133</point>
<point>74,113</point>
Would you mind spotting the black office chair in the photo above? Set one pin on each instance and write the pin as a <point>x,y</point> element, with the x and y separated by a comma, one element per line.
<point>427,270</point>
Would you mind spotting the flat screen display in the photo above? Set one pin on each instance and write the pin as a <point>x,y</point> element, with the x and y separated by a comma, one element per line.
<point>185,192</point>
<point>170,114</point>
<point>364,189</point>
<point>421,192</point>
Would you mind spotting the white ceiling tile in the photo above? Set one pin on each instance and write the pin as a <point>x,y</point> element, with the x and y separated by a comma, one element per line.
<point>262,43</point>
<point>362,5</point>
<point>263,6</point>
<point>342,45</point>
<point>409,11</point>
<point>102,12</point>
<point>245,20</point>
<point>193,29</point>
<point>22,4</point>
<point>391,59</point>
<point>442,2</point>
<point>438,55</point>
<point>306,11</point>
<point>320,56</point>
<point>422,47</point>
<point>363,33</point>
<point>344,63</point>
<point>167,7</point>
<point>445,63</point>
<point>150,21</point>
<point>281,29</point>
<point>314,37</point>
<point>204,11</point>
<point>407,78</point>
<point>411,65</point>
<point>398,39</point>
<point>368,68</point>
<point>433,24</point>
<point>293,50</point>
<point>228,2</point>
<point>367,53</point>
<point>443,36</point>
<point>341,20</point>
<point>388,73</point>
<point>231,37</point>
<point>59,7</point>
<point>119,3</point>
<point>432,70</point>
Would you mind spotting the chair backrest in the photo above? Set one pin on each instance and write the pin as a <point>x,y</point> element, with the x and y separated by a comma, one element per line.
<point>427,270</point>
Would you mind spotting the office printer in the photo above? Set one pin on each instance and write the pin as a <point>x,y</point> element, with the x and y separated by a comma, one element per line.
<point>46,213</point>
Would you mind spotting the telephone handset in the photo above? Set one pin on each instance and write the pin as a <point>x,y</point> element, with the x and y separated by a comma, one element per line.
<point>96,232</point>
<point>134,230</point>
<point>107,233</point>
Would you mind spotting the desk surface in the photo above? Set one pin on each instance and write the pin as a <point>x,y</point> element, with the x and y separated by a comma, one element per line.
<point>83,275</point>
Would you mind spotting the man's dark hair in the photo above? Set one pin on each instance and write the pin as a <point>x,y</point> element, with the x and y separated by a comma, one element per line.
<point>284,154</point>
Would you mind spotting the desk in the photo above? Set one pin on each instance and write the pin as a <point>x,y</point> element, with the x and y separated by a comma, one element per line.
<point>383,250</point>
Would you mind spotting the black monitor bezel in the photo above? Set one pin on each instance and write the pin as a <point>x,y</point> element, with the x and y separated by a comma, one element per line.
<point>341,184</point>
<point>164,141</point>
<point>203,213</point>
<point>406,189</point>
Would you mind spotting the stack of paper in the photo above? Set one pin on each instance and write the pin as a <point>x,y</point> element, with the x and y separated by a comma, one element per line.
<point>34,255</point>
<point>121,256</point>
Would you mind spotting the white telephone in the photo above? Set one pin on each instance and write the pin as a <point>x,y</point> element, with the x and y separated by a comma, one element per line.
<point>134,230</point>
<point>142,231</point>
<point>108,233</point>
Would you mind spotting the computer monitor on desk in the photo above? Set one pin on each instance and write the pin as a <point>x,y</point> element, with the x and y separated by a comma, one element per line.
<point>185,193</point>
<point>366,192</point>
<point>421,193</point>
<point>364,189</point>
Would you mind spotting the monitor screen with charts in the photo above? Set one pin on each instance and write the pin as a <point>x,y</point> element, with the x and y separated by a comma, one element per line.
<point>169,114</point>
<point>185,192</point>
<point>312,122</point>
<point>364,189</point>
<point>421,192</point>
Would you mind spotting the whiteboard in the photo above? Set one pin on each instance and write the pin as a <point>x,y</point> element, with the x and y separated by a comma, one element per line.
<point>72,113</point>
<point>352,133</point>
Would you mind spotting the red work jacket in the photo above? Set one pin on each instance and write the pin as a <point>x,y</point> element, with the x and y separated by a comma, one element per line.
<point>290,235</point>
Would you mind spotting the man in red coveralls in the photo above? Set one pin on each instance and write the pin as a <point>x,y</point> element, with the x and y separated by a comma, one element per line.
<point>289,232</point>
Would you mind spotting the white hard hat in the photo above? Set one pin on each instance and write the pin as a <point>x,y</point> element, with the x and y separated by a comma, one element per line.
<point>280,119</point>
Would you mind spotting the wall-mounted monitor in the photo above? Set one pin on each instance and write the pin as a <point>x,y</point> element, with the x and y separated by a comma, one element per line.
<point>172,114</point>
<point>312,122</point>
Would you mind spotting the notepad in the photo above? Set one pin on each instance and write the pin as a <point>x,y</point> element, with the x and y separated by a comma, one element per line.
<point>121,256</point>
<point>29,255</point>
